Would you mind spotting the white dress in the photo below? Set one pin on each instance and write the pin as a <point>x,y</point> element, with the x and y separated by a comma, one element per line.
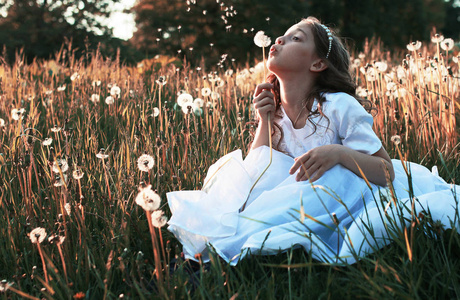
<point>282,213</point>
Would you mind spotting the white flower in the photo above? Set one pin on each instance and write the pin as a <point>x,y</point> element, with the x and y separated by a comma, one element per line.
<point>198,102</point>
<point>109,100</point>
<point>37,235</point>
<point>396,139</point>
<point>47,142</point>
<point>95,98</point>
<point>115,91</point>
<point>148,199</point>
<point>60,164</point>
<point>261,40</point>
<point>77,174</point>
<point>205,92</point>
<point>101,154</point>
<point>17,114</point>
<point>4,286</point>
<point>145,162</point>
<point>156,112</point>
<point>447,44</point>
<point>184,99</point>
<point>414,46</point>
<point>2,122</point>
<point>159,219</point>
<point>437,38</point>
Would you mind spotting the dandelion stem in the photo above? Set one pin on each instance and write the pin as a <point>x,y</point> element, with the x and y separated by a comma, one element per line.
<point>43,262</point>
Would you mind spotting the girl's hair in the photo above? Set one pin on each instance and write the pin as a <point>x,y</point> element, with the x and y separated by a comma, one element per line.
<point>335,78</point>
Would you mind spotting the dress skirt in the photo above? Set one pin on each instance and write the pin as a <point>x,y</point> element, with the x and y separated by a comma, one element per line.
<point>339,218</point>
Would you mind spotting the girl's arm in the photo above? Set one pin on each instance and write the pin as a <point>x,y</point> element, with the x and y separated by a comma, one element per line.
<point>264,104</point>
<point>318,160</point>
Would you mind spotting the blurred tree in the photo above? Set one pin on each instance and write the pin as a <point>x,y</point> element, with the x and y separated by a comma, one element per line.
<point>42,26</point>
<point>210,28</point>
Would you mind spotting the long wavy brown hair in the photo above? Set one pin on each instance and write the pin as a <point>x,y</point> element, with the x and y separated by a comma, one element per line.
<point>335,78</point>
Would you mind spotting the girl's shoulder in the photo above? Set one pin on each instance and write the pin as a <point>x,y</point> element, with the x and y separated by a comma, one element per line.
<point>340,99</point>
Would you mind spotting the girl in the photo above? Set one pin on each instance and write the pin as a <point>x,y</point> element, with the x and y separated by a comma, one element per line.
<point>325,187</point>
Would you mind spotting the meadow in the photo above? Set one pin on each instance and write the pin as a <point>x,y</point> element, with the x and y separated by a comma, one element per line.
<point>81,138</point>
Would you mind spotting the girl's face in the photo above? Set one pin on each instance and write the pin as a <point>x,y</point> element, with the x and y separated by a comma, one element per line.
<point>295,51</point>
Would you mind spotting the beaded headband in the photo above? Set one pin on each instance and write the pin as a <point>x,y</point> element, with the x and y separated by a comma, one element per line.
<point>329,37</point>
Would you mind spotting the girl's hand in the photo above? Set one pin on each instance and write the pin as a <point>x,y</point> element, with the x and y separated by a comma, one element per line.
<point>264,101</point>
<point>316,161</point>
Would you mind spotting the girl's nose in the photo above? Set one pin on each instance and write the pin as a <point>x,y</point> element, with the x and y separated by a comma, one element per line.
<point>279,40</point>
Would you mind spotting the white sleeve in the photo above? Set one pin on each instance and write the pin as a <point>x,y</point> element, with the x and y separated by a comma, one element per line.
<point>353,123</point>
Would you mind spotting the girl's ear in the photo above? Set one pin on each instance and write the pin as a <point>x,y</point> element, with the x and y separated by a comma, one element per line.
<point>318,65</point>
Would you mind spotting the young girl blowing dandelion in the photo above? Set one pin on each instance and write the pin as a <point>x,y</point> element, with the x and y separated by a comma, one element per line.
<point>328,178</point>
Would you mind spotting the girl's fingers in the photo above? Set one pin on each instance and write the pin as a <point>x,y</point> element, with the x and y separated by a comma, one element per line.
<point>261,87</point>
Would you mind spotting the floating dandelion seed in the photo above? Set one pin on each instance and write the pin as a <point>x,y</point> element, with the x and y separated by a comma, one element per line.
<point>396,139</point>
<point>148,199</point>
<point>47,141</point>
<point>60,164</point>
<point>109,100</point>
<point>2,122</point>
<point>447,44</point>
<point>4,286</point>
<point>159,219</point>
<point>156,112</point>
<point>184,99</point>
<point>17,114</point>
<point>115,91</point>
<point>145,162</point>
<point>77,174</point>
<point>95,98</point>
<point>101,154</point>
<point>437,38</point>
<point>261,40</point>
<point>37,235</point>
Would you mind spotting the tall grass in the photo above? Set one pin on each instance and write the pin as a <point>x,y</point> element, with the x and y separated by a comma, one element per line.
<point>108,252</point>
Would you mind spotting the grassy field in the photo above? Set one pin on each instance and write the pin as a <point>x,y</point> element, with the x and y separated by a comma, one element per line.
<point>72,132</point>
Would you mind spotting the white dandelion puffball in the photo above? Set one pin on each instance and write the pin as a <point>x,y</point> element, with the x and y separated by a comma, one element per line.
<point>437,38</point>
<point>184,99</point>
<point>74,76</point>
<point>77,174</point>
<point>156,112</point>
<point>37,235</point>
<point>60,181</point>
<point>148,199</point>
<point>145,162</point>
<point>47,142</point>
<point>447,44</point>
<point>101,154</point>
<point>188,107</point>
<point>4,286</point>
<point>205,92</point>
<point>95,98</point>
<point>198,102</point>
<point>60,164</point>
<point>2,122</point>
<point>115,91</point>
<point>261,40</point>
<point>396,139</point>
<point>61,88</point>
<point>159,219</point>
<point>414,46</point>
<point>17,114</point>
<point>109,100</point>
<point>68,208</point>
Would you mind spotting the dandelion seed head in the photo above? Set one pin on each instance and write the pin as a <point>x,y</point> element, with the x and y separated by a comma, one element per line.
<point>156,112</point>
<point>56,129</point>
<point>4,286</point>
<point>188,107</point>
<point>198,102</point>
<point>159,219</point>
<point>115,91</point>
<point>74,76</point>
<point>59,181</point>
<point>68,208</point>
<point>77,174</point>
<point>109,100</point>
<point>96,83</point>
<point>381,66</point>
<point>184,99</point>
<point>47,141</point>
<point>60,164</point>
<point>447,44</point>
<point>17,114</point>
<point>161,81</point>
<point>2,122</point>
<point>101,154</point>
<point>396,139</point>
<point>94,98</point>
<point>414,46</point>
<point>437,38</point>
<point>61,88</point>
<point>148,199</point>
<point>262,40</point>
<point>37,235</point>
<point>145,162</point>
